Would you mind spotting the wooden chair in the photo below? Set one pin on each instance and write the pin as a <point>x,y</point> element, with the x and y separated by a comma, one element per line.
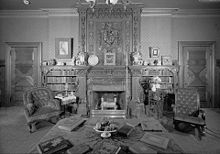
<point>187,110</point>
<point>39,104</point>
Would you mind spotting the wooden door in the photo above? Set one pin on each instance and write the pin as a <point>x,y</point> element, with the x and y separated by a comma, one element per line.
<point>196,69</point>
<point>24,70</point>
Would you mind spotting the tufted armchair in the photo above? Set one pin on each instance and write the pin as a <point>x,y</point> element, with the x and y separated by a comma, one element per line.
<point>39,104</point>
<point>187,111</point>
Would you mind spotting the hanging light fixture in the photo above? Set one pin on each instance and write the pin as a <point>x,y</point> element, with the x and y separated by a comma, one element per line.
<point>92,3</point>
<point>26,2</point>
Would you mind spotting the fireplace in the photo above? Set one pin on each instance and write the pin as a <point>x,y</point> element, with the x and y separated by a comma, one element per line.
<point>105,100</point>
<point>112,36</point>
<point>108,91</point>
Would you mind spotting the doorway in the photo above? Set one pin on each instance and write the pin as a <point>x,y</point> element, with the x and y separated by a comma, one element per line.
<point>196,60</point>
<point>23,70</point>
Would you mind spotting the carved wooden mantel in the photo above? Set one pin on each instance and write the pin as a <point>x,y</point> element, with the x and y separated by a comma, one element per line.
<point>103,31</point>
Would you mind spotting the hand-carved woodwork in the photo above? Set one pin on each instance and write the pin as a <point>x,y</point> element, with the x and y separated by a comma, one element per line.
<point>112,34</point>
<point>106,29</point>
<point>82,30</point>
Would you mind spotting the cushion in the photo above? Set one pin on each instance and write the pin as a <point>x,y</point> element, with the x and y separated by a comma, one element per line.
<point>40,103</point>
<point>40,94</point>
<point>190,119</point>
<point>45,111</point>
<point>31,108</point>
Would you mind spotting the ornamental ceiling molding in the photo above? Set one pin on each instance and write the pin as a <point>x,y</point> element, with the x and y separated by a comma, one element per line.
<point>176,12</point>
<point>65,12</point>
<point>105,13</point>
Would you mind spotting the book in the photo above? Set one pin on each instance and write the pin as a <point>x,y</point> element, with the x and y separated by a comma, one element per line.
<point>141,148</point>
<point>133,122</point>
<point>72,123</point>
<point>155,140</point>
<point>54,145</point>
<point>151,124</point>
<point>79,149</point>
<point>107,148</point>
<point>125,130</point>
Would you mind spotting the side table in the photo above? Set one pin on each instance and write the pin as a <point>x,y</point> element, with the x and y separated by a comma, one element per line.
<point>69,101</point>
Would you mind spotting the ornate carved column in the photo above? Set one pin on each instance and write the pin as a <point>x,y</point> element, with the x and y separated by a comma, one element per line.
<point>82,29</point>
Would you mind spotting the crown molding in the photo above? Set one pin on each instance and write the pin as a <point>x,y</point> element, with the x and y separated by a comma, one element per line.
<point>42,13</point>
<point>22,13</point>
<point>175,12</point>
<point>197,13</point>
<point>61,12</point>
<point>70,12</point>
<point>158,11</point>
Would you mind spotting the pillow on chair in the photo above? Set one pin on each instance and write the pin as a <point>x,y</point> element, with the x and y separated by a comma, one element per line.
<point>31,108</point>
<point>38,95</point>
<point>40,98</point>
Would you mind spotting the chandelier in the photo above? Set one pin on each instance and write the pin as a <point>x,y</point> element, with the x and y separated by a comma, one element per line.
<point>92,3</point>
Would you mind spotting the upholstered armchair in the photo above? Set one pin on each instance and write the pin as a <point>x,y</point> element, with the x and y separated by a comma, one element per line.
<point>187,112</point>
<point>39,104</point>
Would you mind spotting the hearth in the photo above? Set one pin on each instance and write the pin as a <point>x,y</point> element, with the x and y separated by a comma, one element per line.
<point>108,91</point>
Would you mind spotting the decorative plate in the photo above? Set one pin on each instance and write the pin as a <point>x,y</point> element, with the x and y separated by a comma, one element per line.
<point>93,60</point>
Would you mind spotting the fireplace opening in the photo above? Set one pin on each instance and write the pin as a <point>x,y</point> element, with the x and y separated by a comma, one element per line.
<point>108,100</point>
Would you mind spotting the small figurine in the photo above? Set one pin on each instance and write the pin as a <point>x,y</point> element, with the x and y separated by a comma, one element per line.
<point>136,58</point>
<point>81,58</point>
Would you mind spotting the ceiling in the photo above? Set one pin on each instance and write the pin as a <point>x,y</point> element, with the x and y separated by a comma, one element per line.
<point>59,4</point>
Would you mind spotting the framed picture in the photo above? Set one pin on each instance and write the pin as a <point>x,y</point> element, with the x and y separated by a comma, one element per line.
<point>166,60</point>
<point>63,48</point>
<point>109,58</point>
<point>154,52</point>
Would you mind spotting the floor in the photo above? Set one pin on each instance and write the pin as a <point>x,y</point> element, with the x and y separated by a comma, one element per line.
<point>15,138</point>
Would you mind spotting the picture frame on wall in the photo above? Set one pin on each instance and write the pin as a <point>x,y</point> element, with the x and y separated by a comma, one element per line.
<point>154,52</point>
<point>109,58</point>
<point>166,60</point>
<point>63,48</point>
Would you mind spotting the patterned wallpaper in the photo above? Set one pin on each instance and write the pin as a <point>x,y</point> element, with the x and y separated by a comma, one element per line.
<point>156,32</point>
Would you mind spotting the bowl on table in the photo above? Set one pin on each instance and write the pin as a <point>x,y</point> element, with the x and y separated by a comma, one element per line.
<point>105,128</point>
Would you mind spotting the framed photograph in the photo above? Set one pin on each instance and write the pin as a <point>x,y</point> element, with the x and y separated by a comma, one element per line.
<point>109,58</point>
<point>154,52</point>
<point>63,48</point>
<point>166,60</point>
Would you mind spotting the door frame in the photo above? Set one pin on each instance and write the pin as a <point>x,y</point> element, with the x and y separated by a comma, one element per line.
<point>212,46</point>
<point>8,76</point>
